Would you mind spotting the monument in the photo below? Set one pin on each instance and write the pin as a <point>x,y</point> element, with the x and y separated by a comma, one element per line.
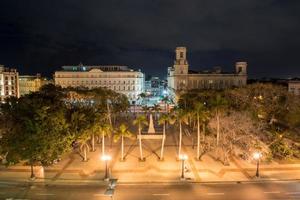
<point>151,133</point>
<point>151,126</point>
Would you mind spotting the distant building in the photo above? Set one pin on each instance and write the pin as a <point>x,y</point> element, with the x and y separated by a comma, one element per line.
<point>294,86</point>
<point>117,78</point>
<point>154,86</point>
<point>181,78</point>
<point>29,83</point>
<point>9,83</point>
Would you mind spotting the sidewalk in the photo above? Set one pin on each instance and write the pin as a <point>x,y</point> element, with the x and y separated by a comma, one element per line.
<point>71,170</point>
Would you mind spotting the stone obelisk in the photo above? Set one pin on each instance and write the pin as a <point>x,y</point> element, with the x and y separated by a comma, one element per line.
<point>151,126</point>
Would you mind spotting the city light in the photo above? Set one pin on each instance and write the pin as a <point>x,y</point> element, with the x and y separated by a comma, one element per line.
<point>106,157</point>
<point>183,157</point>
<point>256,155</point>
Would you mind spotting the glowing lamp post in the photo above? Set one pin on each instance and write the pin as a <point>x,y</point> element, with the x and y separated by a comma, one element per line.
<point>183,158</point>
<point>106,158</point>
<point>257,156</point>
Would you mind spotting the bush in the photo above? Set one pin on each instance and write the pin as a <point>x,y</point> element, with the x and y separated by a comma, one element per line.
<point>280,149</point>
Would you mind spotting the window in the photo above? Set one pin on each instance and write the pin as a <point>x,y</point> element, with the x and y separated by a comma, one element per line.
<point>181,54</point>
<point>240,69</point>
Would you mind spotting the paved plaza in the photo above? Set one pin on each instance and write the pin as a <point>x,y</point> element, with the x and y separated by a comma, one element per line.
<point>72,169</point>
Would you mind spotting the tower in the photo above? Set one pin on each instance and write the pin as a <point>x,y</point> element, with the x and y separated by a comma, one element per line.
<point>241,68</point>
<point>181,65</point>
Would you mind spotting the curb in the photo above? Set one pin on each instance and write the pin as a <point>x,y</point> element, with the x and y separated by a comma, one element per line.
<point>104,183</point>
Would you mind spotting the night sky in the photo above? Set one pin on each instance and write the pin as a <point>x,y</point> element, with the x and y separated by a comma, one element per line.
<point>42,35</point>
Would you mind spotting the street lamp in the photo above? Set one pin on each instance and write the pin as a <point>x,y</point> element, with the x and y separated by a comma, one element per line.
<point>182,157</point>
<point>106,158</point>
<point>257,156</point>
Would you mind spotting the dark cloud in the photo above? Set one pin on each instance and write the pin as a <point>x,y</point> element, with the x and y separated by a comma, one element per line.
<point>41,36</point>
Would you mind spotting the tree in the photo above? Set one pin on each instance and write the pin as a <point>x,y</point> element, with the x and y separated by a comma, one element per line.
<point>201,117</point>
<point>105,130</point>
<point>80,127</point>
<point>241,135</point>
<point>218,104</point>
<point>140,121</point>
<point>145,109</point>
<point>144,97</point>
<point>122,132</point>
<point>179,116</point>
<point>80,119</point>
<point>167,101</point>
<point>156,108</point>
<point>38,130</point>
<point>163,120</point>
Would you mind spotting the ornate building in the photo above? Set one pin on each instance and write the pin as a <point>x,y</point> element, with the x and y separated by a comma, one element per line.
<point>9,83</point>
<point>181,78</point>
<point>118,78</point>
<point>29,83</point>
<point>294,86</point>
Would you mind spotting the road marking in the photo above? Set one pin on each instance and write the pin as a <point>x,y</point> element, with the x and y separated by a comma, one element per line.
<point>167,194</point>
<point>99,195</point>
<point>272,192</point>
<point>45,194</point>
<point>220,193</point>
<point>17,199</point>
<point>292,193</point>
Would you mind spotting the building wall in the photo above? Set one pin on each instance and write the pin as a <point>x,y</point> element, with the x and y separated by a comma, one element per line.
<point>29,84</point>
<point>294,87</point>
<point>9,83</point>
<point>130,83</point>
<point>179,77</point>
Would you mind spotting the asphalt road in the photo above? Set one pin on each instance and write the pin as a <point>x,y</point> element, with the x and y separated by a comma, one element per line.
<point>228,191</point>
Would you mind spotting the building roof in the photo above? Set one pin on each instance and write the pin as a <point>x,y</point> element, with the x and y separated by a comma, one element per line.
<point>209,72</point>
<point>82,67</point>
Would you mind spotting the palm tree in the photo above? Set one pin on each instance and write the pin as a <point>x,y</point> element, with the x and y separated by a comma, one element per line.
<point>145,109</point>
<point>201,117</point>
<point>143,96</point>
<point>219,104</point>
<point>84,147</point>
<point>156,109</point>
<point>94,130</point>
<point>122,132</point>
<point>180,117</point>
<point>163,120</point>
<point>166,100</point>
<point>140,121</point>
<point>80,129</point>
<point>105,130</point>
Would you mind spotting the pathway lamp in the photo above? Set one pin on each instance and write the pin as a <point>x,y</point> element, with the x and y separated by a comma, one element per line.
<point>257,156</point>
<point>106,159</point>
<point>183,158</point>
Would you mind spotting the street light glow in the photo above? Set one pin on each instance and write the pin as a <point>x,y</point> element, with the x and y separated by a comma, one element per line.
<point>256,155</point>
<point>183,157</point>
<point>106,157</point>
